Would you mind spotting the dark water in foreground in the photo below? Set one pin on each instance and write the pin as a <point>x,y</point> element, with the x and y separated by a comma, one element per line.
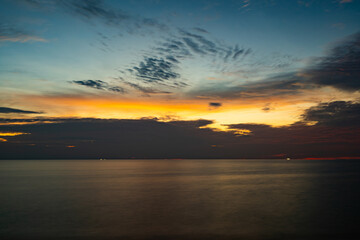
<point>180,199</point>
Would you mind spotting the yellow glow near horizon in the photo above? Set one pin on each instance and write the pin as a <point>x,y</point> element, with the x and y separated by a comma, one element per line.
<point>11,134</point>
<point>282,110</point>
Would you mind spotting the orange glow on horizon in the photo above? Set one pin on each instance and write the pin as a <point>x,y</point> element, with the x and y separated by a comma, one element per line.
<point>230,112</point>
<point>282,110</point>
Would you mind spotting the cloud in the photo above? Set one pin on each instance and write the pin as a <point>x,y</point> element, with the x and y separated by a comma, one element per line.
<point>202,45</point>
<point>110,138</point>
<point>98,10</point>
<point>340,68</point>
<point>215,104</point>
<point>9,33</point>
<point>201,30</point>
<point>95,9</point>
<point>337,113</point>
<point>154,70</point>
<point>14,110</point>
<point>193,46</point>
<point>163,62</point>
<point>299,134</point>
<point>335,134</point>
<point>145,90</point>
<point>267,107</point>
<point>286,84</point>
<point>98,84</point>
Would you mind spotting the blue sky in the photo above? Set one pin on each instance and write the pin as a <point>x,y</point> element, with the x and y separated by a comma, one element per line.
<point>65,39</point>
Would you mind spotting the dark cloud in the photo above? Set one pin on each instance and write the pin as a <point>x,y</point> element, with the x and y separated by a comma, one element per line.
<point>237,53</point>
<point>155,70</point>
<point>215,104</point>
<point>172,59</point>
<point>14,110</point>
<point>110,138</point>
<point>267,107</point>
<point>286,84</point>
<point>341,68</point>
<point>203,45</point>
<point>337,113</point>
<point>199,43</point>
<point>201,30</point>
<point>174,48</point>
<point>193,46</point>
<point>98,84</point>
<point>151,138</point>
<point>300,140</point>
<point>160,64</point>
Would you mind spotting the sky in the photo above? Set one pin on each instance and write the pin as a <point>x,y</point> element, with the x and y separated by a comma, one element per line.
<point>179,79</point>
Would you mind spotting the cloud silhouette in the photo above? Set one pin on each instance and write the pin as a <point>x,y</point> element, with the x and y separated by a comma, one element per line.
<point>151,138</point>
<point>14,110</point>
<point>215,104</point>
<point>337,113</point>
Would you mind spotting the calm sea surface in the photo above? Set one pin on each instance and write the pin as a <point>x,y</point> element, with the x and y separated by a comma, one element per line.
<point>180,199</point>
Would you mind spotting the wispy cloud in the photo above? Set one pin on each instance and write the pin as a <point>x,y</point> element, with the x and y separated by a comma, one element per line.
<point>163,63</point>
<point>99,11</point>
<point>286,84</point>
<point>98,84</point>
<point>201,30</point>
<point>146,90</point>
<point>155,70</point>
<point>339,68</point>
<point>10,33</point>
<point>95,9</point>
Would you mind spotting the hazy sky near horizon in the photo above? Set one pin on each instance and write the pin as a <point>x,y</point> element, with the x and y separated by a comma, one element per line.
<point>236,64</point>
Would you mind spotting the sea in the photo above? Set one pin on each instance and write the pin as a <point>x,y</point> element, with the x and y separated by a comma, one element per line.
<point>180,199</point>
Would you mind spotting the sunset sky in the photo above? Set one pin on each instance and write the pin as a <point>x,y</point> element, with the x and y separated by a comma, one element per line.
<point>179,79</point>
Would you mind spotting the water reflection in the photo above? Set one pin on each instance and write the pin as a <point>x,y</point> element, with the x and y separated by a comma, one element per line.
<point>187,199</point>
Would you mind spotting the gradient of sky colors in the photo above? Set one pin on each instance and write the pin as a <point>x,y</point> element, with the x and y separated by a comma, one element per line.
<point>201,79</point>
